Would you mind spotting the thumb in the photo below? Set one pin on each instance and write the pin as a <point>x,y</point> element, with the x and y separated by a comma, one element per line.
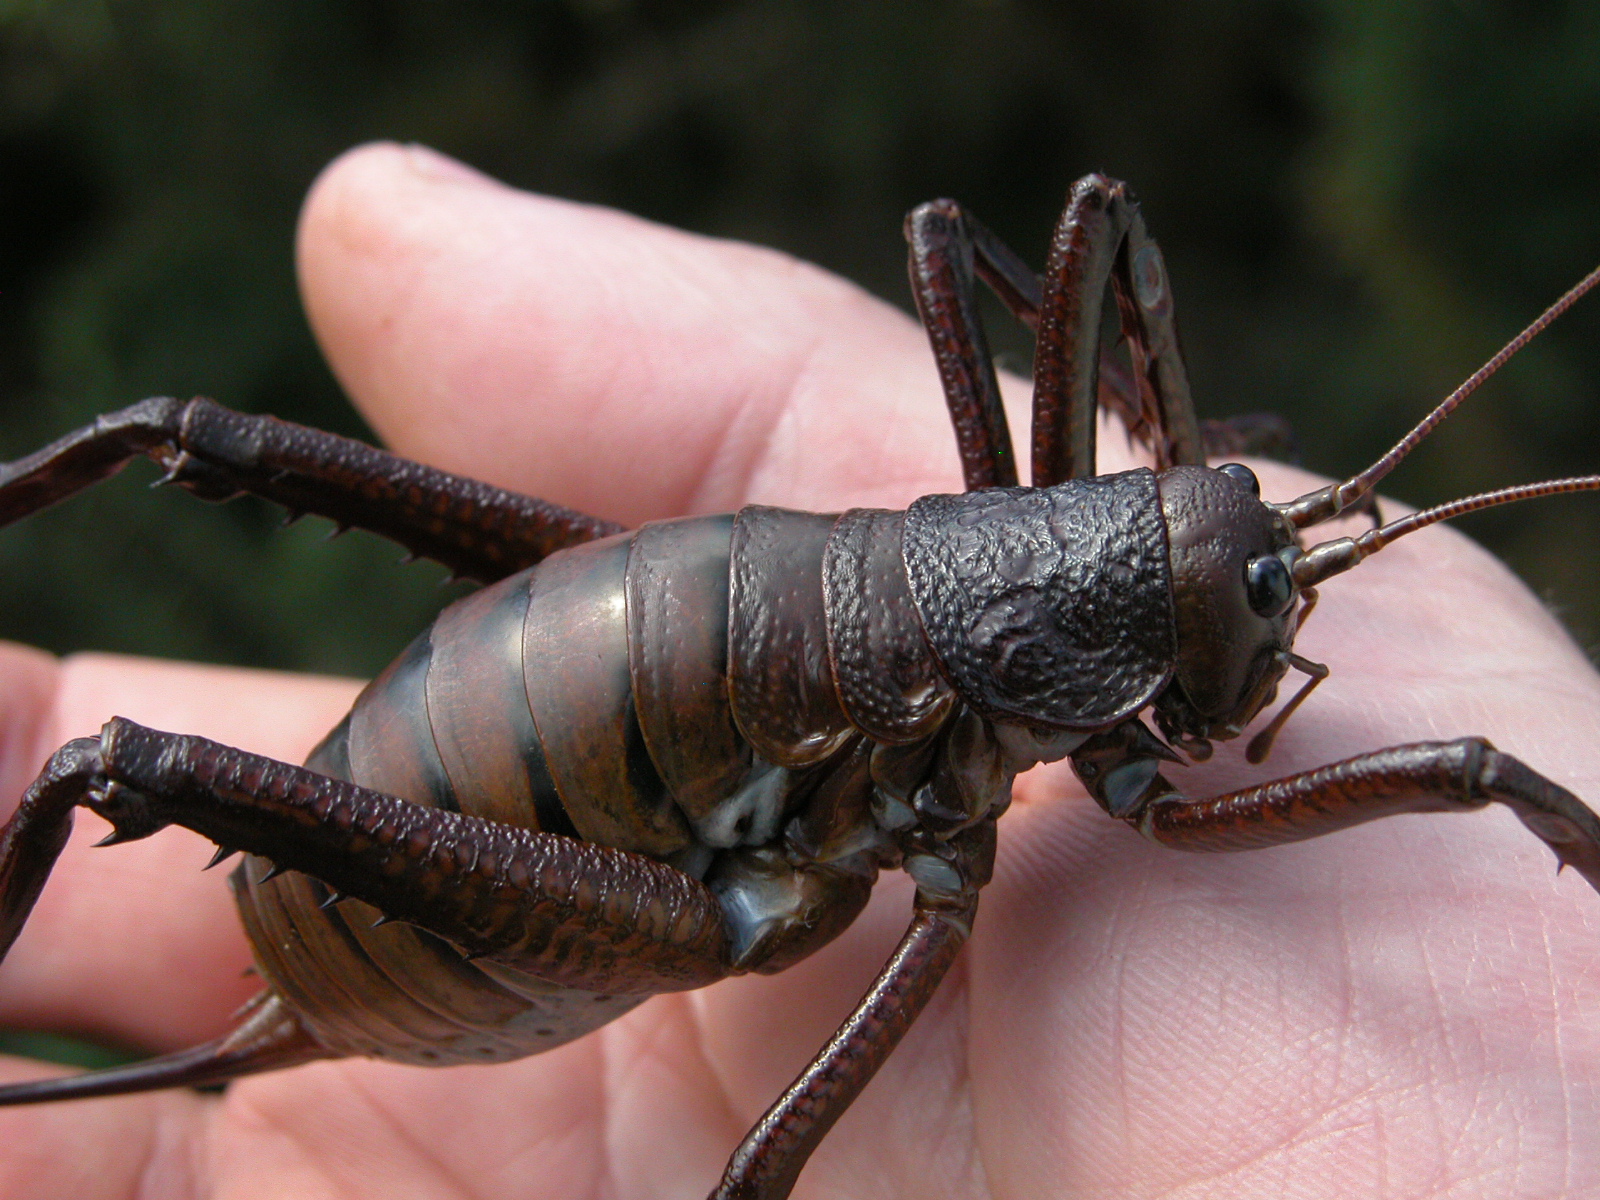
<point>596,359</point>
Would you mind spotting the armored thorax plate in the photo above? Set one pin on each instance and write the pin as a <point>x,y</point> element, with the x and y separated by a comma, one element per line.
<point>1053,605</point>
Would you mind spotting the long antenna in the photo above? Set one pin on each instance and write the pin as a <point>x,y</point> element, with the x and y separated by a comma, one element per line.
<point>1327,502</point>
<point>1332,558</point>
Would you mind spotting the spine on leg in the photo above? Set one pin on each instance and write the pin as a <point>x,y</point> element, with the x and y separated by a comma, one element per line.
<point>577,914</point>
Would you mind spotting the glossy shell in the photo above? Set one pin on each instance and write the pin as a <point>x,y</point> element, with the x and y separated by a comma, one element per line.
<point>671,691</point>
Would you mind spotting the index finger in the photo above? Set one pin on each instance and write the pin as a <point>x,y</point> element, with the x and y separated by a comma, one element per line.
<point>614,365</point>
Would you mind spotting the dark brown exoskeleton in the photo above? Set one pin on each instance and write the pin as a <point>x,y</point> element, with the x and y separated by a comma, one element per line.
<point>640,762</point>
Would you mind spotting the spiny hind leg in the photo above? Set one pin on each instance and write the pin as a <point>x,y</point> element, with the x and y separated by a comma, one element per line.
<point>266,1037</point>
<point>578,915</point>
<point>478,531</point>
<point>574,913</point>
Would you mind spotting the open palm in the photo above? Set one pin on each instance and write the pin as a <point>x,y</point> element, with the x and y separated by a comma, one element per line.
<point>1409,1009</point>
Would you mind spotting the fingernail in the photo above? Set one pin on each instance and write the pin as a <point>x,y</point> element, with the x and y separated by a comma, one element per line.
<point>430,164</point>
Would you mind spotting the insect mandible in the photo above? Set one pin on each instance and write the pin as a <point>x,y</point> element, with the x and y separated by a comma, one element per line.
<point>731,724</point>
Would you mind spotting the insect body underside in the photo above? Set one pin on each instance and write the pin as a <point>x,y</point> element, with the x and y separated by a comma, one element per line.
<point>591,696</point>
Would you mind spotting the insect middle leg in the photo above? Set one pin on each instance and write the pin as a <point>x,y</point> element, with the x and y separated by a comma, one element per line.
<point>951,249</point>
<point>768,1161</point>
<point>478,531</point>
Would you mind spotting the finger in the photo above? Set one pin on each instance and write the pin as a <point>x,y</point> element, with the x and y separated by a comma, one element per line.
<point>32,683</point>
<point>105,1149</point>
<point>1267,1004</point>
<point>135,944</point>
<point>614,365</point>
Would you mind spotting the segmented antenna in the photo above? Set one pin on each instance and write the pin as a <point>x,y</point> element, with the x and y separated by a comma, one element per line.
<point>1332,558</point>
<point>1327,502</point>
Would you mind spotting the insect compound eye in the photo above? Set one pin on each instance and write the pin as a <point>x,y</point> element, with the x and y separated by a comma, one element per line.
<point>1268,586</point>
<point>1243,476</point>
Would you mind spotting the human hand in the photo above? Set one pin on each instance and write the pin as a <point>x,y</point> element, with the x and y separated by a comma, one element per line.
<point>1406,1008</point>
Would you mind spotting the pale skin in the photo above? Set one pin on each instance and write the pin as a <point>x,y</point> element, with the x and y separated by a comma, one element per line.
<point>1411,1009</point>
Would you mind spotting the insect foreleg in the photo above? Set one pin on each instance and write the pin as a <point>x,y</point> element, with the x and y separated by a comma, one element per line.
<point>950,249</point>
<point>1458,776</point>
<point>1100,240</point>
<point>573,913</point>
<point>480,532</point>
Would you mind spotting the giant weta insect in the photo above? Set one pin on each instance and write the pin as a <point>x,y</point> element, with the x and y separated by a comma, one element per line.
<point>641,762</point>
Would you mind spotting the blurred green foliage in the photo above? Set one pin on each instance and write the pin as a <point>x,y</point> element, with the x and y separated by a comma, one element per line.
<point>1358,203</point>
<point>67,1051</point>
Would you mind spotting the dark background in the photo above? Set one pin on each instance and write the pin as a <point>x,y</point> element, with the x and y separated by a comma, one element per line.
<point>1358,203</point>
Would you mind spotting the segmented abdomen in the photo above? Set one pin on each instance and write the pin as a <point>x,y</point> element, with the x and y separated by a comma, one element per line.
<point>448,724</point>
<point>684,691</point>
